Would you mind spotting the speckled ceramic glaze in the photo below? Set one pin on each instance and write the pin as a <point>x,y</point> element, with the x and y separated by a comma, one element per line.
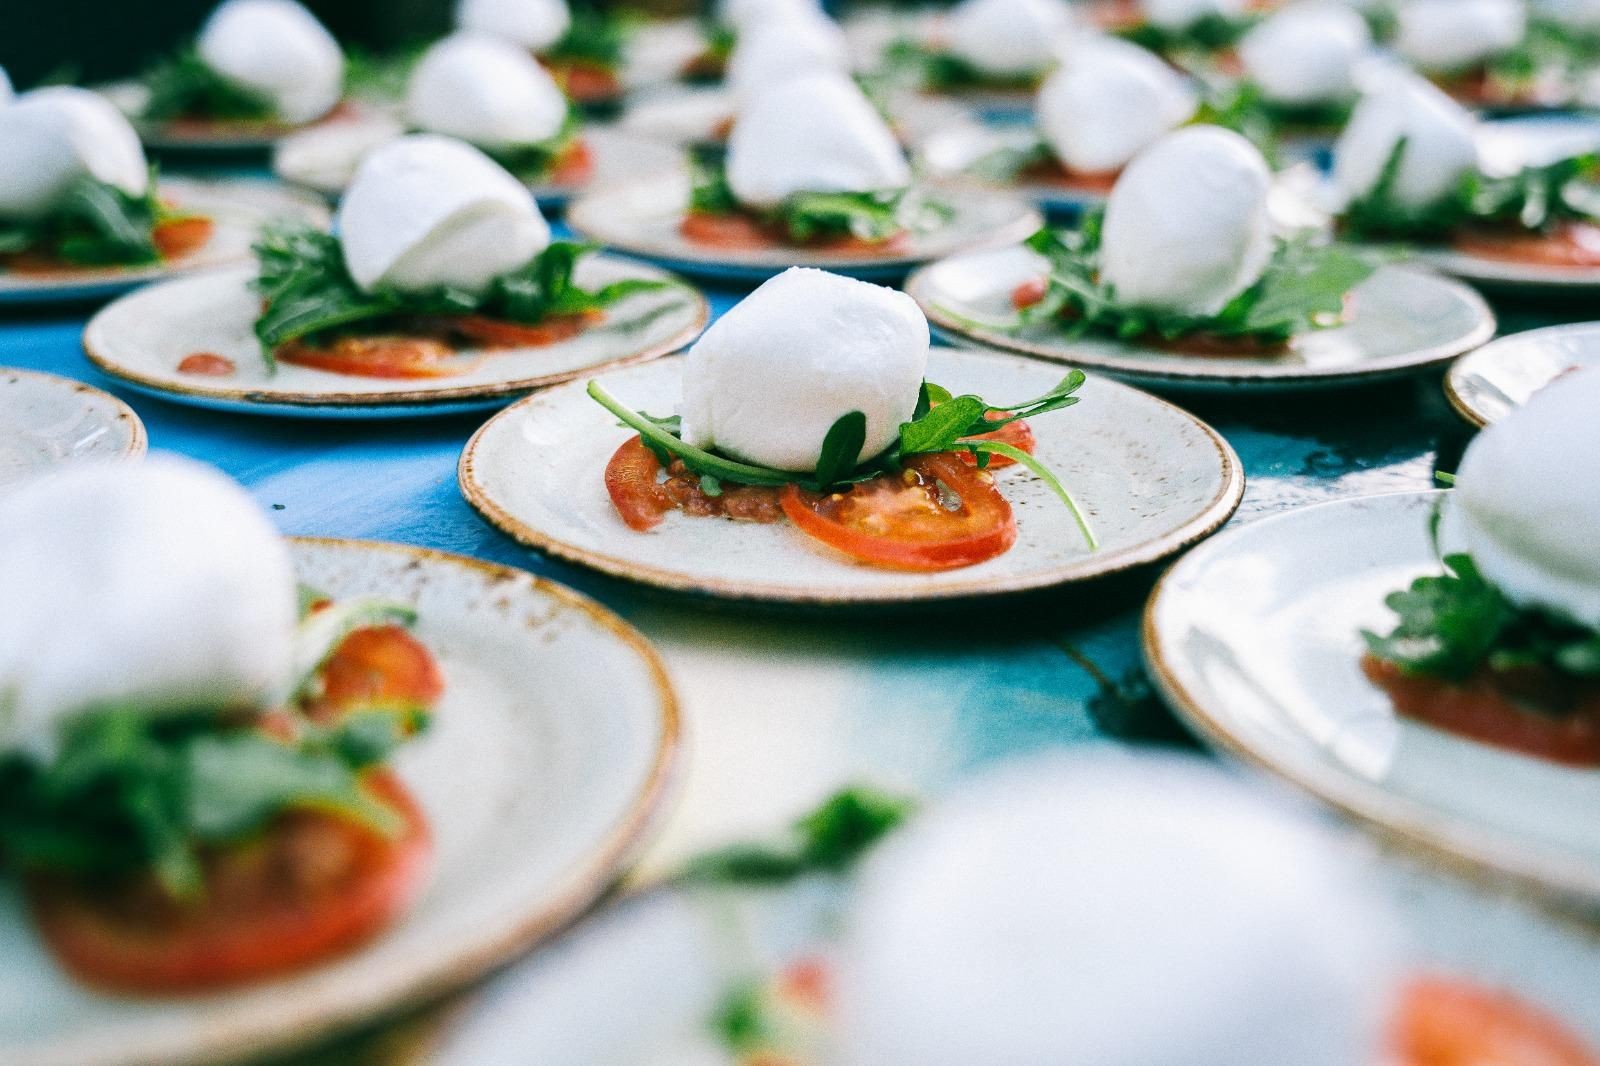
<point>48,421</point>
<point>1151,477</point>
<point>1255,638</point>
<point>144,336</point>
<point>547,760</point>
<point>1399,321</point>
<point>239,209</point>
<point>1486,385</point>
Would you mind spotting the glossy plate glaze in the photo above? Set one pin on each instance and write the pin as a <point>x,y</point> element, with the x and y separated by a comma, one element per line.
<point>238,207</point>
<point>546,765</point>
<point>1152,479</point>
<point>1400,321</point>
<point>642,219</point>
<point>1486,385</point>
<point>48,421</point>
<point>1255,639</point>
<point>143,337</point>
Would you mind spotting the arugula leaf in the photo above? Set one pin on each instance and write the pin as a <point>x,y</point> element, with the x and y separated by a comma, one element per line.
<point>183,86</point>
<point>841,448</point>
<point>93,224</point>
<point>237,782</point>
<point>593,37</point>
<point>534,161</point>
<point>939,71</point>
<point>1211,32</point>
<point>816,216</point>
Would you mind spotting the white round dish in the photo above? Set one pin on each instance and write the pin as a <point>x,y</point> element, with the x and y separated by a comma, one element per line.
<point>1486,385</point>
<point>142,337</point>
<point>1401,321</point>
<point>949,157</point>
<point>553,746</point>
<point>1152,479</point>
<point>642,219</point>
<point>47,421</point>
<point>1255,639</point>
<point>238,207</point>
<point>1496,275</point>
<point>221,139</point>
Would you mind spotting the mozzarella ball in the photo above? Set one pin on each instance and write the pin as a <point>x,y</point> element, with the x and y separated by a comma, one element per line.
<point>49,138</point>
<point>1524,506</point>
<point>1440,143</point>
<point>1108,102</point>
<point>815,133</point>
<point>1187,227</point>
<point>1442,36</point>
<point>1007,37</point>
<point>1115,910</point>
<point>768,380</point>
<point>278,49</point>
<point>1176,15</point>
<point>484,90</point>
<point>159,586</point>
<point>1307,53</point>
<point>426,211</point>
<point>769,53</point>
<point>532,24</point>
<point>741,15</point>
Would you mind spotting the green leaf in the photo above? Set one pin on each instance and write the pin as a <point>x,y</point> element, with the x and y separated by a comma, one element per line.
<point>183,86</point>
<point>238,781</point>
<point>941,427</point>
<point>1448,624</point>
<point>1022,458</point>
<point>841,448</point>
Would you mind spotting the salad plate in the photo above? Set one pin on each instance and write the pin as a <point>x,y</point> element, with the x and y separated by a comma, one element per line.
<point>238,209</point>
<point>1486,385</point>
<point>46,421</point>
<point>645,218</point>
<point>1399,321</point>
<point>569,784</point>
<point>143,338</point>
<point>1151,479</point>
<point>958,154</point>
<point>1255,639</point>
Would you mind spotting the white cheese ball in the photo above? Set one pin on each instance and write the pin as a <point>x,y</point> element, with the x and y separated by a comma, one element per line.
<point>1109,101</point>
<point>1187,227</point>
<point>1307,53</point>
<point>159,586</point>
<point>741,15</point>
<point>769,53</point>
<point>768,380</point>
<point>1114,910</point>
<point>532,24</point>
<point>1176,15</point>
<point>49,138</point>
<point>1442,36</point>
<point>814,133</point>
<point>278,49</point>
<point>484,90</point>
<point>1525,506</point>
<point>425,211</point>
<point>1440,143</point>
<point>1007,37</point>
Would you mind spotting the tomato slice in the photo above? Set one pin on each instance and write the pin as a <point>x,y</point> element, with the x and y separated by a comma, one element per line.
<point>383,666</point>
<point>632,480</point>
<point>311,886</point>
<point>381,356</point>
<point>498,333</point>
<point>178,237</point>
<point>1453,1023</point>
<point>938,515</point>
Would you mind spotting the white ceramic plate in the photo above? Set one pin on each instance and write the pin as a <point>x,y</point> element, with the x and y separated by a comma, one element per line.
<point>1496,275</point>
<point>948,157</point>
<point>239,209</point>
<point>324,159</point>
<point>1401,321</point>
<point>548,760</point>
<point>642,219</point>
<point>1152,478</point>
<point>47,421</point>
<point>223,139</point>
<point>144,336</point>
<point>1255,638</point>
<point>1486,385</point>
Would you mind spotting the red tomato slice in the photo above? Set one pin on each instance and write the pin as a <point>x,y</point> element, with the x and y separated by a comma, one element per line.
<point>940,515</point>
<point>178,237</point>
<point>383,666</point>
<point>312,886</point>
<point>632,480</point>
<point>498,333</point>
<point>381,357</point>
<point>1017,434</point>
<point>1453,1023</point>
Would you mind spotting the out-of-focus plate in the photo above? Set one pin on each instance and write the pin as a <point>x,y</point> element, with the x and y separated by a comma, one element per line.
<point>48,421</point>
<point>1486,385</point>
<point>950,156</point>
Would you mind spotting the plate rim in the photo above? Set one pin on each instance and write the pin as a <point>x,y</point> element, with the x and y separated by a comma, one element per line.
<point>603,864</point>
<point>1483,854</point>
<point>139,435</point>
<point>398,400</point>
<point>1216,514</point>
<point>1452,377</point>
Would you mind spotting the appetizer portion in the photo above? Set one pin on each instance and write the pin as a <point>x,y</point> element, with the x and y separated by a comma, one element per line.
<point>583,51</point>
<point>1503,647</point>
<point>76,191</point>
<point>807,403</point>
<point>441,257</point>
<point>1184,258</point>
<point>1301,64</point>
<point>1407,168</point>
<point>193,780</point>
<point>256,64</point>
<point>1469,48</point>
<point>988,45</point>
<point>788,45</point>
<point>1182,30</point>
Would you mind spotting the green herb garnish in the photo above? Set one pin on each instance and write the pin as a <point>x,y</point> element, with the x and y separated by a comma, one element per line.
<point>1211,32</point>
<point>594,38</point>
<point>809,217</point>
<point>942,71</point>
<point>93,224</point>
<point>534,162</point>
<point>183,86</point>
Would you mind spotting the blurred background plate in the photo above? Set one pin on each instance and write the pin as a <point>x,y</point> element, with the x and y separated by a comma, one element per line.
<point>47,421</point>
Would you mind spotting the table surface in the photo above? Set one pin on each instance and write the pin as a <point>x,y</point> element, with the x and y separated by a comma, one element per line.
<point>783,709</point>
